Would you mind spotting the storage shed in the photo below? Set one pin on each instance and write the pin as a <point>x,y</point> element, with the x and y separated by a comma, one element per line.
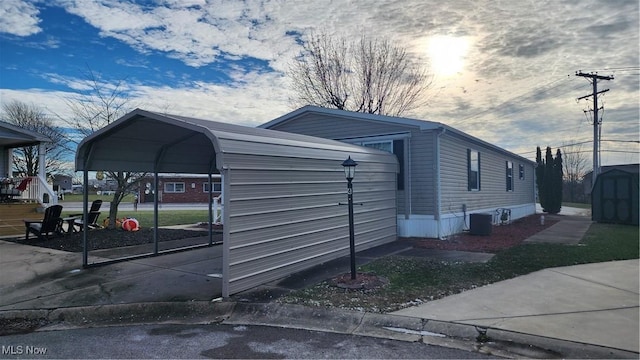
<point>614,197</point>
<point>282,191</point>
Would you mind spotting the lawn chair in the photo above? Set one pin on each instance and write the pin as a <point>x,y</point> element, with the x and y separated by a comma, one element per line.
<point>94,214</point>
<point>50,225</point>
<point>92,221</point>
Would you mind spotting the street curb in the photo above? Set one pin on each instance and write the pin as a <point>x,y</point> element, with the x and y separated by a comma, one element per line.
<point>388,326</point>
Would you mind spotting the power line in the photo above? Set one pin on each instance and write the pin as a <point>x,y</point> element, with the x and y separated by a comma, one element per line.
<point>582,143</point>
<point>596,120</point>
<point>545,88</point>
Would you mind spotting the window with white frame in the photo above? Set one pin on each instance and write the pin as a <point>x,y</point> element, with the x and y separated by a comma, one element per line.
<point>395,147</point>
<point>217,187</point>
<point>174,187</point>
<point>509,174</point>
<point>473,170</point>
<point>521,172</point>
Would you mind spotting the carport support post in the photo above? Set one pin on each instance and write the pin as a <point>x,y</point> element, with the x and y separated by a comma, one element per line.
<point>210,194</point>
<point>155,212</point>
<point>85,216</point>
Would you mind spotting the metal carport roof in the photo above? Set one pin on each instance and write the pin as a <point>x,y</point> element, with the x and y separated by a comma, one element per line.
<point>281,190</point>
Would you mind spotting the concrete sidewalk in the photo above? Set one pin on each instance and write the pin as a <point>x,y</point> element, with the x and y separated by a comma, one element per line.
<point>591,304</point>
<point>579,311</point>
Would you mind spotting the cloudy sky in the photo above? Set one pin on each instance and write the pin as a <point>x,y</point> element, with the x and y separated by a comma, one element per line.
<point>503,70</point>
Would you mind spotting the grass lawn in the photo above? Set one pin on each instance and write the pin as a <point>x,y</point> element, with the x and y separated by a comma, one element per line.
<point>165,217</point>
<point>416,280</point>
<point>145,218</point>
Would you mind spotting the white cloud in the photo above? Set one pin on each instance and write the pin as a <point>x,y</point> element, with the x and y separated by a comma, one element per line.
<point>19,18</point>
<point>518,75</point>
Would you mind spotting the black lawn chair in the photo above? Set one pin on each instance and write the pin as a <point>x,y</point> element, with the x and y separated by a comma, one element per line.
<point>92,221</point>
<point>50,225</point>
<point>95,206</point>
<point>94,214</point>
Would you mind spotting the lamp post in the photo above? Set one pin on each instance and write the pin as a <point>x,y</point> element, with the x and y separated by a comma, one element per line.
<point>349,173</point>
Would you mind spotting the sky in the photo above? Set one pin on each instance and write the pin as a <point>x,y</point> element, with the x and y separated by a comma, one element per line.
<point>502,70</point>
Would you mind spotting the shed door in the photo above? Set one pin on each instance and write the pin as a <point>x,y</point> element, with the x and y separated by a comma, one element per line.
<point>616,199</point>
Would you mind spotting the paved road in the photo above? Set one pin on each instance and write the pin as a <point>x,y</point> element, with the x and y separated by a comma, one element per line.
<point>214,341</point>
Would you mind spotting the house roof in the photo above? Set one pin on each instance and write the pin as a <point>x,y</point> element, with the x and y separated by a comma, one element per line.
<point>409,122</point>
<point>12,136</point>
<point>177,144</point>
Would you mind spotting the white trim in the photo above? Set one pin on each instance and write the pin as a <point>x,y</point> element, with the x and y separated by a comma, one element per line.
<point>451,223</point>
<point>417,226</point>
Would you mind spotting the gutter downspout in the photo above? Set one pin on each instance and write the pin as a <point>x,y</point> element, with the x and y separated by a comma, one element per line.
<point>438,182</point>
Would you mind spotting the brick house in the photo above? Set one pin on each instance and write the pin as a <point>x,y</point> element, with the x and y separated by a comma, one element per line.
<point>180,188</point>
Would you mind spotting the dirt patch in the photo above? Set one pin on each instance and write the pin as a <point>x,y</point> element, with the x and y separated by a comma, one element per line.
<point>501,237</point>
<point>363,281</point>
<point>20,325</point>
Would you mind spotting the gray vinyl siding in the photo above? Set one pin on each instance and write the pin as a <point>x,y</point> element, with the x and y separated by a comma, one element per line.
<point>493,193</point>
<point>282,205</point>
<point>285,216</point>
<point>281,190</point>
<point>419,162</point>
<point>423,173</point>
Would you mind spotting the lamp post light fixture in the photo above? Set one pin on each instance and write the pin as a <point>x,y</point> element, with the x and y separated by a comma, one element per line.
<point>349,173</point>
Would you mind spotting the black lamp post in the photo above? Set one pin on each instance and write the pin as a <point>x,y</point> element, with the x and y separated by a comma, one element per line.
<point>349,173</point>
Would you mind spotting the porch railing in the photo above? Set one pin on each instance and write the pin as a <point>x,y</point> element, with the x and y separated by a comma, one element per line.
<point>38,190</point>
<point>217,210</point>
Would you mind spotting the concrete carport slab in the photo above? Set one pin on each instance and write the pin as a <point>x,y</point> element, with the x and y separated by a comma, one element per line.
<point>281,191</point>
<point>49,279</point>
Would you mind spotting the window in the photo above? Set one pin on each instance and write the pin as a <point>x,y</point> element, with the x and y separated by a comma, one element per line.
<point>509,176</point>
<point>217,187</point>
<point>521,171</point>
<point>174,187</point>
<point>395,147</point>
<point>383,145</point>
<point>473,170</point>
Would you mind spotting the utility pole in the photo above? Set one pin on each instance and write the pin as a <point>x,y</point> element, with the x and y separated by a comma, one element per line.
<point>596,120</point>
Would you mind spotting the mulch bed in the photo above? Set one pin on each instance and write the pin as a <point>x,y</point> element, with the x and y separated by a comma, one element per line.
<point>501,237</point>
<point>108,238</point>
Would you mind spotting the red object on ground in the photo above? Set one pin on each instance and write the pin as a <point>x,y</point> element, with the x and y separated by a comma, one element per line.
<point>130,225</point>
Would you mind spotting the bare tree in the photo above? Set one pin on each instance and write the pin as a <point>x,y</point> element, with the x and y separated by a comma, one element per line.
<point>575,166</point>
<point>370,75</point>
<point>100,105</point>
<point>26,159</point>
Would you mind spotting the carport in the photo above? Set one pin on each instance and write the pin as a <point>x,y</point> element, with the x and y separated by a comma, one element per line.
<point>282,191</point>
